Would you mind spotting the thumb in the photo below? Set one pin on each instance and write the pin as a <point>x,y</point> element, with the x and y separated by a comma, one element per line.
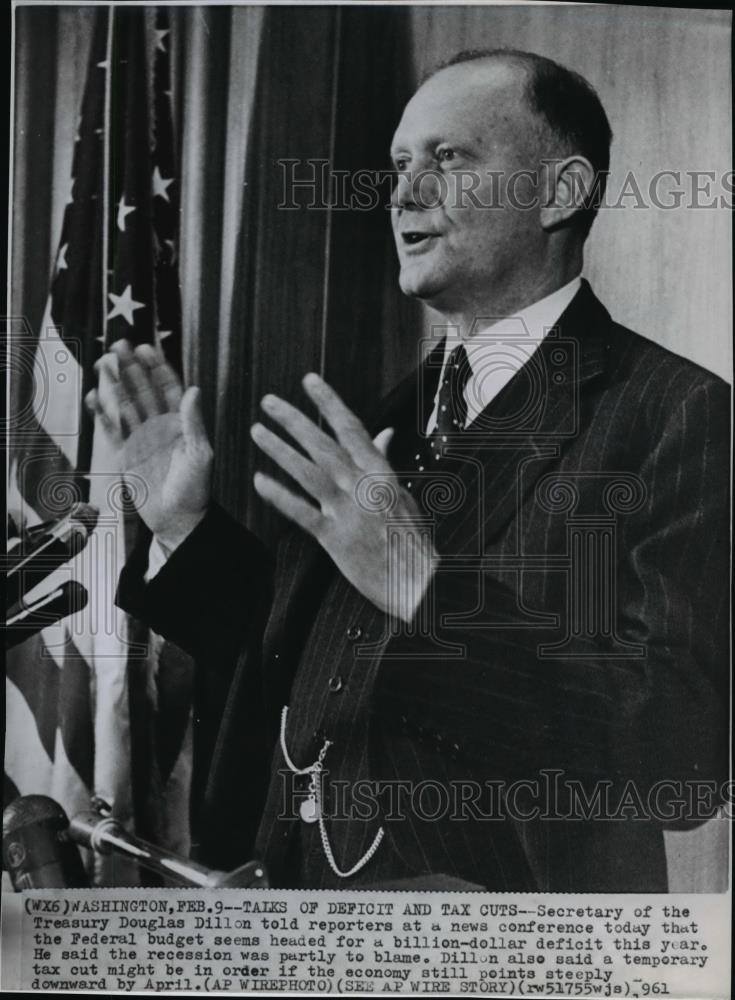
<point>192,422</point>
<point>382,441</point>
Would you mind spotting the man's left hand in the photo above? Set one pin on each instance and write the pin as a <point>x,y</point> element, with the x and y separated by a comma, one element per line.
<point>391,569</point>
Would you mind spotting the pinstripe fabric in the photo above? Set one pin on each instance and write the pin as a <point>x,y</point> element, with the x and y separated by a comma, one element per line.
<point>606,443</point>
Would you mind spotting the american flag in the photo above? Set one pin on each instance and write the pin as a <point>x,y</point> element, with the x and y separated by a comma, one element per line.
<point>96,705</point>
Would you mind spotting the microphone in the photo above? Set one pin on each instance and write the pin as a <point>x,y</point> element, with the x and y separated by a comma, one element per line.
<point>37,850</point>
<point>97,830</point>
<point>46,547</point>
<point>67,599</point>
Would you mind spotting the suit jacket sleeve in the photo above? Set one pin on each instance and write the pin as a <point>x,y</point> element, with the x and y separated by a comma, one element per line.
<point>207,596</point>
<point>212,598</point>
<point>657,717</point>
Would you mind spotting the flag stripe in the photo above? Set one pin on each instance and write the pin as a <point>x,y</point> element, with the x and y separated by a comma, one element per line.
<point>38,687</point>
<point>75,711</point>
<point>26,759</point>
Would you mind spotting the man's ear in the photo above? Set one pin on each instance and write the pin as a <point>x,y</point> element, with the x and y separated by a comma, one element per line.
<point>569,183</point>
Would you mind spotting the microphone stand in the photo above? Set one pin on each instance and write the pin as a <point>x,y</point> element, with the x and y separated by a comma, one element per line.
<point>97,829</point>
<point>24,620</point>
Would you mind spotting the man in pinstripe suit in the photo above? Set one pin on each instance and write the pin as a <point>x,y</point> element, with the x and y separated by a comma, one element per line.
<point>499,625</point>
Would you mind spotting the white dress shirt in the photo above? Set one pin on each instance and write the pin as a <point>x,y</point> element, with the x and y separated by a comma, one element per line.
<point>158,556</point>
<point>498,351</point>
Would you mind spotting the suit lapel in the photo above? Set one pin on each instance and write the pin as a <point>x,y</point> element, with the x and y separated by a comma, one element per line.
<point>408,406</point>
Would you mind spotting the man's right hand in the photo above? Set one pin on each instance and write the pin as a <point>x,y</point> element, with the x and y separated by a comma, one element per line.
<point>158,434</point>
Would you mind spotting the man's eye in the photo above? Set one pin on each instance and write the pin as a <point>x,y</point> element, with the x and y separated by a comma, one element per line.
<point>401,163</point>
<point>445,154</point>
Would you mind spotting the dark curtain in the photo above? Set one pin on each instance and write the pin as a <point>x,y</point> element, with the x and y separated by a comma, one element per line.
<point>317,286</point>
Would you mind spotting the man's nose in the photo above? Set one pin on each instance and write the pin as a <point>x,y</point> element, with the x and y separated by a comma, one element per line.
<point>419,189</point>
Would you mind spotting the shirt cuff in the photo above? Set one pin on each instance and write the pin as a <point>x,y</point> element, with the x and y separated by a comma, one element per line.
<point>158,556</point>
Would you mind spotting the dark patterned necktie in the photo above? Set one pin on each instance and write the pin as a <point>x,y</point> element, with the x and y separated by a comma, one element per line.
<point>451,410</point>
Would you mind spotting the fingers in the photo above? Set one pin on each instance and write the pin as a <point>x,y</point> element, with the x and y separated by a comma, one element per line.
<point>108,425</point>
<point>337,464</point>
<point>165,381</point>
<point>320,446</point>
<point>148,380</point>
<point>292,507</point>
<point>133,386</point>
<point>382,441</point>
<point>304,472</point>
<point>113,396</point>
<point>136,384</point>
<point>350,431</point>
<point>192,421</point>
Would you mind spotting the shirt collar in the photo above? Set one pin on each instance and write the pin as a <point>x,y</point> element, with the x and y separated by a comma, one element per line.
<point>500,349</point>
<point>530,324</point>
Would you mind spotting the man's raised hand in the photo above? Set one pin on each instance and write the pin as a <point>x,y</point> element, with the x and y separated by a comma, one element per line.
<point>389,563</point>
<point>158,434</point>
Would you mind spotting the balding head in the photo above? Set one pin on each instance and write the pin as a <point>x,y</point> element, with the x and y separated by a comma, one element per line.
<point>490,95</point>
<point>569,114</point>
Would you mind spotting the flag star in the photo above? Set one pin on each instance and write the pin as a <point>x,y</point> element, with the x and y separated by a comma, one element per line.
<point>103,65</point>
<point>70,192</point>
<point>124,305</point>
<point>162,334</point>
<point>122,211</point>
<point>160,184</point>
<point>61,264</point>
<point>160,35</point>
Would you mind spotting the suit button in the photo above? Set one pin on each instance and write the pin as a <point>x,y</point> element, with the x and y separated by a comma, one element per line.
<point>354,632</point>
<point>335,683</point>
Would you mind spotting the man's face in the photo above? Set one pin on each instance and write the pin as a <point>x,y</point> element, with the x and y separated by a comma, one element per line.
<point>463,136</point>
